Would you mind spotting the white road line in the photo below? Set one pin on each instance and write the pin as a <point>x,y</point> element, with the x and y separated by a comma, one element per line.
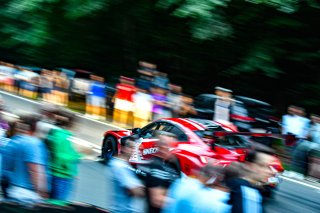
<point>301,183</point>
<point>81,142</point>
<point>19,97</point>
<point>9,114</point>
<point>100,122</point>
<point>84,143</point>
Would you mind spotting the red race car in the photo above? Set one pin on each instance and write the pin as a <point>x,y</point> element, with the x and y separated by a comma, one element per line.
<point>198,141</point>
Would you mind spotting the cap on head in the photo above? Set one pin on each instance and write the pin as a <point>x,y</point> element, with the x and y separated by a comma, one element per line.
<point>223,89</point>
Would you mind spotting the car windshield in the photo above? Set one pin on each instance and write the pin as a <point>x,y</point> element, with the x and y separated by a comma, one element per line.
<point>229,141</point>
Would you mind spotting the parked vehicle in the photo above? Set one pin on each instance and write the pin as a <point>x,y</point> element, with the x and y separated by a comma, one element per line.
<point>246,113</point>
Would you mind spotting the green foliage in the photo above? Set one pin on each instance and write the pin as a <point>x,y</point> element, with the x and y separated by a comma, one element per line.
<point>29,20</point>
<point>206,18</point>
<point>287,6</point>
<point>260,58</point>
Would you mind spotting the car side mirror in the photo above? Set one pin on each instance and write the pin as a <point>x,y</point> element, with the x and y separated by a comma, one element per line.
<point>136,131</point>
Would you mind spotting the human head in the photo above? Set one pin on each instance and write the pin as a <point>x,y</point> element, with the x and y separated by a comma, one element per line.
<point>315,118</point>
<point>223,92</point>
<point>48,110</point>
<point>295,110</point>
<point>127,147</point>
<point>301,111</point>
<point>164,143</point>
<point>175,88</point>
<point>64,119</point>
<point>258,162</point>
<point>26,124</point>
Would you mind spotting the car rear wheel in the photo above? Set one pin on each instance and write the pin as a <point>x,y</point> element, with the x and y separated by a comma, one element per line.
<point>109,148</point>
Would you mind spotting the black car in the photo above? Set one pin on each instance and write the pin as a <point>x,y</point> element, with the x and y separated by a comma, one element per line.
<point>246,113</point>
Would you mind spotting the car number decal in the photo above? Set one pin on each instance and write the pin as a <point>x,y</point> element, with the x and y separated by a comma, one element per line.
<point>149,151</point>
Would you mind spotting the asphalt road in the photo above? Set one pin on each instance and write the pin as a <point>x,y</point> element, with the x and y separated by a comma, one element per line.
<point>92,186</point>
<point>86,129</point>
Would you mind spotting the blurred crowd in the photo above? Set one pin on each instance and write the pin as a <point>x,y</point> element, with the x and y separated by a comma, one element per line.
<point>306,134</point>
<point>239,187</point>
<point>149,97</point>
<point>133,102</point>
<point>38,159</point>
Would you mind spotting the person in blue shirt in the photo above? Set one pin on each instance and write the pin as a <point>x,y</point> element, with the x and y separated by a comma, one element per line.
<point>25,160</point>
<point>4,140</point>
<point>96,99</point>
<point>247,188</point>
<point>208,185</point>
<point>126,189</point>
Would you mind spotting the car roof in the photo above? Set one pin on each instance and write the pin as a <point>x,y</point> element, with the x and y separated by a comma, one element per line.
<point>195,124</point>
<point>251,101</point>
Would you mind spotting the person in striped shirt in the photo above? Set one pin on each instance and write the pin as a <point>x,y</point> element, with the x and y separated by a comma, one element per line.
<point>245,196</point>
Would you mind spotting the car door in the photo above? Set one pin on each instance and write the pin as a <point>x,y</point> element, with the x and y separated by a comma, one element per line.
<point>147,141</point>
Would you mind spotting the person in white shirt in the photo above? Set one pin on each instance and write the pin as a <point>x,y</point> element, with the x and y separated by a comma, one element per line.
<point>222,105</point>
<point>295,123</point>
<point>142,102</point>
<point>315,129</point>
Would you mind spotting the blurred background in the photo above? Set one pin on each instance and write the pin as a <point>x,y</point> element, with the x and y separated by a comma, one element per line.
<point>267,49</point>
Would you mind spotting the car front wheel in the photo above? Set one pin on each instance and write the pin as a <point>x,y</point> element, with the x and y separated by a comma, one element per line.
<point>109,148</point>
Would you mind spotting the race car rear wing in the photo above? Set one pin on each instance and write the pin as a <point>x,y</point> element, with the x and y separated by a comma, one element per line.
<point>288,138</point>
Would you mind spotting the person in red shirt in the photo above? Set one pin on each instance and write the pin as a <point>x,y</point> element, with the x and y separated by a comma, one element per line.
<point>123,101</point>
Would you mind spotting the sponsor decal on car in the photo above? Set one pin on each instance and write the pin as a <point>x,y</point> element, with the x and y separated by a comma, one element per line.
<point>149,151</point>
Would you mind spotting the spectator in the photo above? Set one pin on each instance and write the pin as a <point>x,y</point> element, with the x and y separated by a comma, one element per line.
<point>295,123</point>
<point>187,107</point>
<point>161,80</point>
<point>96,99</point>
<point>26,161</point>
<point>208,185</point>
<point>4,140</point>
<point>123,104</point>
<point>63,89</point>
<point>222,104</point>
<point>161,107</point>
<point>28,83</point>
<point>300,161</point>
<point>47,121</point>
<point>45,85</point>
<point>64,157</point>
<point>162,173</point>
<point>315,129</point>
<point>142,101</point>
<point>147,69</point>
<point>60,88</point>
<point>147,72</point>
<point>245,191</point>
<point>175,100</point>
<point>127,190</point>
